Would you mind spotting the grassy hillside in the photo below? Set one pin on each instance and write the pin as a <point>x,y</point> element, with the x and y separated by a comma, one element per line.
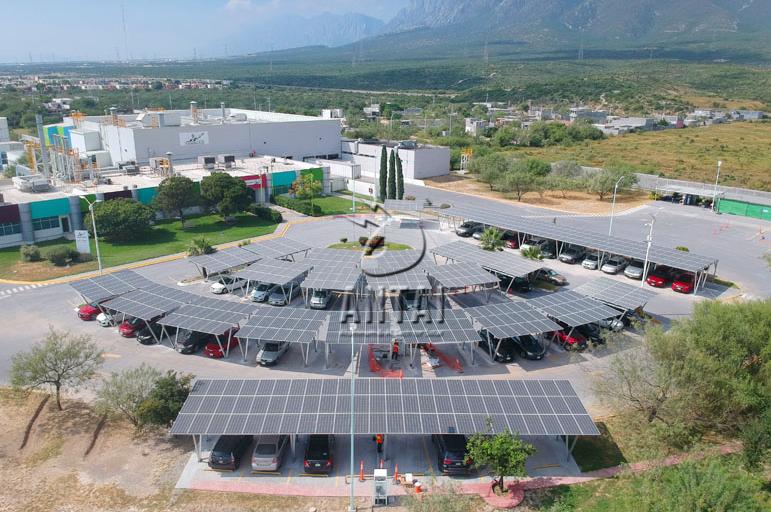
<point>744,148</point>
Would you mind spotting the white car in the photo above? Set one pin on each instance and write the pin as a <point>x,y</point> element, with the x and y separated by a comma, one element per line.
<point>227,284</point>
<point>614,265</point>
<point>104,319</point>
<point>592,261</point>
<point>613,324</point>
<point>270,353</point>
<point>261,292</point>
<point>634,270</point>
<point>320,299</point>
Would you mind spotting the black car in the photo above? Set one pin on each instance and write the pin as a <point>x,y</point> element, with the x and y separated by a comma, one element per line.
<point>145,335</point>
<point>572,255</point>
<point>592,333</point>
<point>518,284</point>
<point>318,454</point>
<point>549,250</point>
<point>529,347</point>
<point>468,228</point>
<point>227,452</point>
<point>503,350</point>
<point>451,454</point>
<point>190,342</point>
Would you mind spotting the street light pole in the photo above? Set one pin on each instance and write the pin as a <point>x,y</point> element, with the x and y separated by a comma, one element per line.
<point>352,500</point>
<point>613,205</point>
<point>717,179</point>
<point>96,237</point>
<point>649,239</point>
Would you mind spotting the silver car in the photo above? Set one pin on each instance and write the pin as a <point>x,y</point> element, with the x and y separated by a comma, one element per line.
<point>271,352</point>
<point>634,270</point>
<point>614,265</point>
<point>268,452</point>
<point>262,292</point>
<point>320,299</point>
<point>283,295</point>
<point>592,261</point>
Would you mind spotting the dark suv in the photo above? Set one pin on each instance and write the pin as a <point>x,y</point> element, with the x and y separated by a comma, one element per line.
<point>517,284</point>
<point>190,342</point>
<point>318,454</point>
<point>145,335</point>
<point>468,228</point>
<point>503,353</point>
<point>227,452</point>
<point>451,454</point>
<point>529,347</point>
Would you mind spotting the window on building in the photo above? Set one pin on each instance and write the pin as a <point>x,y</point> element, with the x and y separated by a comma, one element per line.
<point>280,189</point>
<point>9,228</point>
<point>45,223</point>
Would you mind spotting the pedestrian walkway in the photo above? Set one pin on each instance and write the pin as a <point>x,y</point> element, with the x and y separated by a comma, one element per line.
<point>20,289</point>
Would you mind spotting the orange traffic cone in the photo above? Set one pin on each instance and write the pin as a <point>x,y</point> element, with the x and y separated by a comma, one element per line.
<point>396,474</point>
<point>381,463</point>
<point>361,471</point>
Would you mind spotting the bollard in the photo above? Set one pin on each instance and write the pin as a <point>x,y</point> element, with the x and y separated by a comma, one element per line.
<point>381,463</point>
<point>396,474</point>
<point>361,471</point>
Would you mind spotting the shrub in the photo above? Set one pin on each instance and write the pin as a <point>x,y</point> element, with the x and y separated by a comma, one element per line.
<point>84,257</point>
<point>409,198</point>
<point>29,253</point>
<point>343,240</point>
<point>199,246</point>
<point>165,400</point>
<point>59,256</point>
<point>363,240</point>
<point>681,248</point>
<point>303,207</point>
<point>532,253</point>
<point>244,243</point>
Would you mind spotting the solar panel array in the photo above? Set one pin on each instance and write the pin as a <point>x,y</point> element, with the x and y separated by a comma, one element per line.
<point>404,205</point>
<point>274,271</point>
<point>277,248</point>
<point>337,276</point>
<point>461,275</point>
<point>325,255</point>
<point>590,239</point>
<point>151,302</point>
<point>293,325</point>
<point>96,289</point>
<point>375,328</point>
<point>225,259</point>
<point>511,318</point>
<point>203,319</point>
<point>448,326</point>
<point>572,308</point>
<point>383,406</point>
<point>609,291</point>
<point>503,262</point>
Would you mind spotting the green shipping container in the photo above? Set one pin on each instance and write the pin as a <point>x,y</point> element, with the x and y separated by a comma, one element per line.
<point>745,209</point>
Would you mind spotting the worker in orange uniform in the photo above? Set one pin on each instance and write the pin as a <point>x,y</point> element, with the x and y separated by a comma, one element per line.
<point>395,350</point>
<point>379,441</point>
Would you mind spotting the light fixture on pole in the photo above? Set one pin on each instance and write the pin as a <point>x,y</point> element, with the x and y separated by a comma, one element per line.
<point>717,179</point>
<point>96,238</point>
<point>649,239</point>
<point>613,204</point>
<point>352,500</point>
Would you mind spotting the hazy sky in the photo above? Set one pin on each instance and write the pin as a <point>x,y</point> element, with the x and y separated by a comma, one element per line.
<point>91,29</point>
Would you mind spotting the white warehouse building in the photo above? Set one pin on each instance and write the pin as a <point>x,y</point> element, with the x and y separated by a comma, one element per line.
<point>418,160</point>
<point>117,138</point>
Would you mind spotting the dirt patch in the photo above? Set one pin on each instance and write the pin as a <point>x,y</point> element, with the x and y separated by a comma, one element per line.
<point>40,270</point>
<point>572,202</point>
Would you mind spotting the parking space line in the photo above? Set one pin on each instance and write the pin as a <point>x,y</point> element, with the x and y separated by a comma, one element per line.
<point>289,475</point>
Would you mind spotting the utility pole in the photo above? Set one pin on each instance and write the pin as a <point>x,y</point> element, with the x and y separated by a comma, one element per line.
<point>717,179</point>
<point>649,239</point>
<point>96,237</point>
<point>352,500</point>
<point>613,205</point>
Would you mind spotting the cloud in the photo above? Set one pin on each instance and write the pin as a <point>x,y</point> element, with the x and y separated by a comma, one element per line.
<point>239,5</point>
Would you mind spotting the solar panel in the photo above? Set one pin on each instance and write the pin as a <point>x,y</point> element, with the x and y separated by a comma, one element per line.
<point>210,320</point>
<point>502,262</point>
<point>224,260</point>
<point>615,293</point>
<point>572,308</point>
<point>383,406</point>
<point>589,239</point>
<point>293,325</point>
<point>438,327</point>
<point>151,302</point>
<point>338,276</point>
<point>374,328</point>
<point>274,271</point>
<point>404,205</point>
<point>325,255</point>
<point>277,248</point>
<point>461,275</point>
<point>511,318</point>
<point>97,289</point>
<point>414,279</point>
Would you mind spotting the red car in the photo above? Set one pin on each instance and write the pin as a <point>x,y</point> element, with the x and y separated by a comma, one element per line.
<point>660,277</point>
<point>573,342</point>
<point>683,283</point>
<point>212,349</point>
<point>510,240</point>
<point>129,328</point>
<point>88,312</point>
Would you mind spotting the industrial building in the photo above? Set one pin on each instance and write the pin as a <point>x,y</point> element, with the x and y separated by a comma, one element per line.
<point>419,161</point>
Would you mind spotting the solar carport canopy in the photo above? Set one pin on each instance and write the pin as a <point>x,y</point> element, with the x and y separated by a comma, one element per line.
<point>502,262</point>
<point>572,308</point>
<point>203,319</point>
<point>274,271</point>
<point>292,325</point>
<point>277,248</point>
<point>511,318</point>
<point>615,293</point>
<point>614,245</point>
<point>383,406</point>
<point>461,275</point>
<point>397,270</point>
<point>325,255</point>
<point>151,302</point>
<point>97,289</point>
<point>337,276</point>
<point>224,260</point>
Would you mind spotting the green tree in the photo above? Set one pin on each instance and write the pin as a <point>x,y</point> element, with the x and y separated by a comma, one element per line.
<point>61,361</point>
<point>225,192</point>
<point>503,454</point>
<point>383,175</point>
<point>307,188</point>
<point>603,181</point>
<point>492,240</point>
<point>165,400</point>
<point>399,177</point>
<point>176,193</point>
<point>199,246</point>
<point>392,175</point>
<point>123,392</point>
<point>489,168</point>
<point>535,166</point>
<point>120,220</point>
<point>518,179</point>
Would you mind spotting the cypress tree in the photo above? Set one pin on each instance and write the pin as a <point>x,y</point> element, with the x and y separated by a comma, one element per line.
<point>399,178</point>
<point>392,175</point>
<point>383,176</point>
